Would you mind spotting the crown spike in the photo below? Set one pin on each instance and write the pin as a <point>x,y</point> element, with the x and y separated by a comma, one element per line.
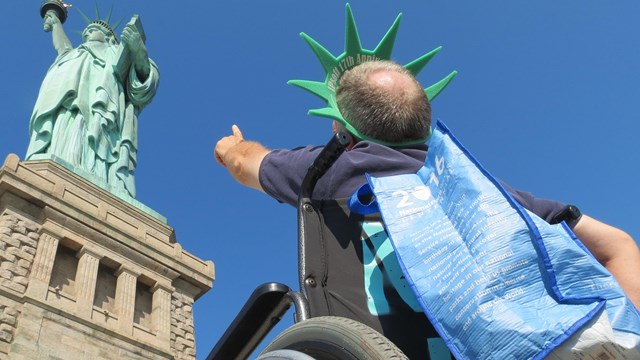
<point>435,89</point>
<point>418,64</point>
<point>85,17</point>
<point>317,88</point>
<point>108,18</point>
<point>385,47</point>
<point>352,43</point>
<point>326,58</point>
<point>327,112</point>
<point>97,11</point>
<point>117,23</point>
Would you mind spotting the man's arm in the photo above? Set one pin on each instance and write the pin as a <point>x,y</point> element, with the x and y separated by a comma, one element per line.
<point>614,249</point>
<point>241,158</point>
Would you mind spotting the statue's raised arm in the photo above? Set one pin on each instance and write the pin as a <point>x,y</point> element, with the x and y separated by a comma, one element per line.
<point>52,23</point>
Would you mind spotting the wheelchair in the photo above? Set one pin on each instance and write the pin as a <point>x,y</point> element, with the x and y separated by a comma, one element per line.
<point>332,318</point>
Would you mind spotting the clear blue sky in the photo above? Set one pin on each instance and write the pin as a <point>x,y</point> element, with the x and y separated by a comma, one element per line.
<point>546,98</point>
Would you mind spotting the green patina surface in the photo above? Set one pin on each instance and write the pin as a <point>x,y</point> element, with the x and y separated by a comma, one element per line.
<point>120,193</point>
<point>86,114</point>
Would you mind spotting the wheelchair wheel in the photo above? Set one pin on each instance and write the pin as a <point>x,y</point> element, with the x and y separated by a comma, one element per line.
<point>336,338</point>
<point>284,355</point>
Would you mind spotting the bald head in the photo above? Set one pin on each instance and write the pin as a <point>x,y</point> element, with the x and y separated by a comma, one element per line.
<point>390,81</point>
<point>383,101</point>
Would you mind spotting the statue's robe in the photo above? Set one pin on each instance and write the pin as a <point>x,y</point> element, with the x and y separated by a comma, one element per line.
<point>87,117</point>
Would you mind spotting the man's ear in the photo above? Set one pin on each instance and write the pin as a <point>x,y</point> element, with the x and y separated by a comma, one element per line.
<point>352,141</point>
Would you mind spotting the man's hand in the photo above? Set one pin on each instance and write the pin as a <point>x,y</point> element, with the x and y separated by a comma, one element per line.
<point>227,142</point>
<point>241,158</point>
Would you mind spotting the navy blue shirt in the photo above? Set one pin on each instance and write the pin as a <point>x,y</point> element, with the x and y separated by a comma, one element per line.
<point>282,172</point>
<point>339,252</point>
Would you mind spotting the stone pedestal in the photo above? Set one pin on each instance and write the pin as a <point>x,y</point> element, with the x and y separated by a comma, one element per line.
<point>84,274</point>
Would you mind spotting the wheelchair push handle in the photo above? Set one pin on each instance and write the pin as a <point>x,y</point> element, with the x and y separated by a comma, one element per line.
<point>329,154</point>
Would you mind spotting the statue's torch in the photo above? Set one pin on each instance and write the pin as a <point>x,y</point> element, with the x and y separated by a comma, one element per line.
<point>58,6</point>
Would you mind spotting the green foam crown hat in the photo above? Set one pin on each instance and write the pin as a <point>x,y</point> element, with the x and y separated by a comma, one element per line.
<point>353,55</point>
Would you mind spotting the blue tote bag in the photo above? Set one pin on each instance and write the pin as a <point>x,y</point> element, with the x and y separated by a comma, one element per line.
<point>496,281</point>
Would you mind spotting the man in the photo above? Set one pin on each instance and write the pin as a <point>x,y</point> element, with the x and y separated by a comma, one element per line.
<point>383,101</point>
<point>85,114</point>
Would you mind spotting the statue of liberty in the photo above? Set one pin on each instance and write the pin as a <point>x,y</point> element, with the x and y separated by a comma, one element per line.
<point>87,109</point>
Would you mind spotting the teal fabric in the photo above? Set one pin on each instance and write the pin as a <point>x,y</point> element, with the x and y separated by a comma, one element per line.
<point>438,349</point>
<point>381,266</point>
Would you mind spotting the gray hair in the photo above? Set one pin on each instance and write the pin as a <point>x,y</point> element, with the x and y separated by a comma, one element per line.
<point>379,113</point>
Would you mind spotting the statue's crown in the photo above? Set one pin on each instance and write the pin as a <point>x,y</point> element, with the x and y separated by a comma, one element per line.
<point>105,25</point>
